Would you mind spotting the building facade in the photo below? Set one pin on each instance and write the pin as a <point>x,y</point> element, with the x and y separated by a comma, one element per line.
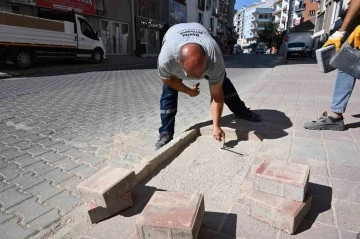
<point>113,24</point>
<point>281,8</point>
<point>239,21</point>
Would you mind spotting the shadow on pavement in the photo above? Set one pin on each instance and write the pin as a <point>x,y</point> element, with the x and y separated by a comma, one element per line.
<point>251,61</point>
<point>272,127</point>
<point>321,202</point>
<point>211,221</point>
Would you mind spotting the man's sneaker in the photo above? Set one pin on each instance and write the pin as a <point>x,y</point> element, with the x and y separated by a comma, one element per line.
<point>250,116</point>
<point>163,139</point>
<point>326,122</point>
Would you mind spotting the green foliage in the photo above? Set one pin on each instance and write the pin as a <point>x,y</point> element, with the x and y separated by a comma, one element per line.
<point>271,34</point>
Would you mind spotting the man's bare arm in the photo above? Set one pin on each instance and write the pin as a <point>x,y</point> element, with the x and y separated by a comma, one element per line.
<point>176,84</point>
<point>352,12</point>
<point>217,103</point>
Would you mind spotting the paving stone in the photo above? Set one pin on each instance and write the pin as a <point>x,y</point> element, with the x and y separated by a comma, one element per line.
<point>11,230</point>
<point>37,150</point>
<point>11,172</point>
<point>348,215</point>
<point>60,147</point>
<point>57,176</point>
<point>319,186</point>
<point>106,186</point>
<point>70,184</point>
<point>97,213</point>
<point>308,134</point>
<point>346,190</point>
<point>11,154</point>
<point>22,145</point>
<point>25,160</point>
<point>340,135</point>
<point>44,191</point>
<point>282,179</point>
<point>32,137</point>
<point>280,212</point>
<point>343,157</point>
<point>299,153</point>
<point>5,217</point>
<point>83,171</point>
<point>335,145</point>
<point>349,235</point>
<point>92,160</point>
<point>29,210</point>
<point>10,140</point>
<point>312,230</point>
<point>317,167</point>
<point>4,186</point>
<point>46,220</point>
<point>51,157</point>
<point>240,225</point>
<point>40,168</point>
<point>64,202</point>
<point>46,142</point>
<point>321,210</point>
<point>309,143</point>
<point>3,163</point>
<point>26,181</point>
<point>345,172</point>
<point>11,198</point>
<point>171,215</point>
<point>66,164</point>
<point>3,148</point>
<point>74,153</point>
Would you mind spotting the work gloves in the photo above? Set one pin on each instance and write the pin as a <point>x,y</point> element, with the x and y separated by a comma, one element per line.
<point>336,38</point>
<point>354,38</point>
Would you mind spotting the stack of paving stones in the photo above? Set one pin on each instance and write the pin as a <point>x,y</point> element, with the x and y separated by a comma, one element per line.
<point>171,215</point>
<point>106,193</point>
<point>278,196</point>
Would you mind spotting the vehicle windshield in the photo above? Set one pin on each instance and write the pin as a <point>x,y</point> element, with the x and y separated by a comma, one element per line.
<point>297,44</point>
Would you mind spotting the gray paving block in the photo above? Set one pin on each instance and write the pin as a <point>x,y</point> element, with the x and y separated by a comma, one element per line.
<point>10,140</point>
<point>60,147</point>
<point>3,163</point>
<point>11,172</point>
<point>319,186</point>
<point>11,198</point>
<point>317,167</point>
<point>348,215</point>
<point>29,210</point>
<point>33,138</point>
<point>66,164</point>
<point>308,143</point>
<point>92,160</point>
<point>83,171</point>
<point>334,145</point>
<point>344,157</point>
<point>74,153</point>
<point>25,160</point>
<point>27,181</point>
<point>44,191</point>
<point>40,168</point>
<point>70,184</point>
<point>57,176</point>
<point>3,148</point>
<point>36,150</point>
<point>321,210</point>
<point>345,172</point>
<point>346,190</point>
<point>45,142</point>
<point>22,145</point>
<point>5,217</point>
<point>46,220</point>
<point>11,230</point>
<point>299,153</point>
<point>11,154</point>
<point>349,235</point>
<point>51,157</point>
<point>4,186</point>
<point>65,202</point>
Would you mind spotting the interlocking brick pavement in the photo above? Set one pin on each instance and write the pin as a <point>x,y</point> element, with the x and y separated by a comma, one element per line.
<point>56,131</point>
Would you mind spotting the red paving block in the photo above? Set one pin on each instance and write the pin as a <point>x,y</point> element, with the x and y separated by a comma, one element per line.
<point>173,215</point>
<point>106,186</point>
<point>282,179</point>
<point>279,212</point>
<point>97,213</point>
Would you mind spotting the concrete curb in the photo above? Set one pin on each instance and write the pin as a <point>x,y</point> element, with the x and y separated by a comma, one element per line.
<point>153,160</point>
<point>234,134</point>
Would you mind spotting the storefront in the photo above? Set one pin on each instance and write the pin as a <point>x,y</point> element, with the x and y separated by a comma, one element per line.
<point>115,36</point>
<point>149,35</point>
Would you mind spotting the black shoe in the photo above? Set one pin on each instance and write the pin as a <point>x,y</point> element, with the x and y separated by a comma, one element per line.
<point>163,140</point>
<point>250,116</point>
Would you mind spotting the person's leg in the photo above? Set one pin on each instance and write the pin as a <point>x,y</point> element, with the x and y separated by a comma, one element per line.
<point>344,86</point>
<point>168,110</point>
<point>235,104</point>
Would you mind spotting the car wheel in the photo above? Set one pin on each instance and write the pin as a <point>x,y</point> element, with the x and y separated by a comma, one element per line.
<point>97,56</point>
<point>23,59</point>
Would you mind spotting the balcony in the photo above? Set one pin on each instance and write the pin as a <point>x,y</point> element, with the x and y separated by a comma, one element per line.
<point>300,8</point>
<point>285,6</point>
<point>283,19</point>
<point>226,2</point>
<point>277,12</point>
<point>215,12</point>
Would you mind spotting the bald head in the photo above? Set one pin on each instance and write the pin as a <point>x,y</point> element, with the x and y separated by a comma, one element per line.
<point>192,58</point>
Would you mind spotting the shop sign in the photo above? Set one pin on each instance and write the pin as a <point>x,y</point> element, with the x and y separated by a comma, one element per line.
<point>148,23</point>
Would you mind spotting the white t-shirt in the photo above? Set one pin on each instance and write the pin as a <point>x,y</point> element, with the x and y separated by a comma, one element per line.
<point>184,33</point>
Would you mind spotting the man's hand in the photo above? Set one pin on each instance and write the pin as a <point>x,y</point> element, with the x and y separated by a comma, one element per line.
<point>194,90</point>
<point>336,39</point>
<point>219,134</point>
<point>354,38</point>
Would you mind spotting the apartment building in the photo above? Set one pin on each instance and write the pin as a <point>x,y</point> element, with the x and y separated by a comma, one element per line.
<point>239,19</point>
<point>281,8</point>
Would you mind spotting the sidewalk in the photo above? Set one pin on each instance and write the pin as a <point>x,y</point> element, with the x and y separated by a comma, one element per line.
<point>60,67</point>
<point>289,96</point>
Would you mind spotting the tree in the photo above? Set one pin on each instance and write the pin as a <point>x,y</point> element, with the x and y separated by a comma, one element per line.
<point>232,37</point>
<point>270,33</point>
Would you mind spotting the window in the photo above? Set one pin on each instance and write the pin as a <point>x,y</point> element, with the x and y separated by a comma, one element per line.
<point>311,13</point>
<point>212,24</point>
<point>200,18</point>
<point>86,29</point>
<point>10,8</point>
<point>153,9</point>
<point>261,16</point>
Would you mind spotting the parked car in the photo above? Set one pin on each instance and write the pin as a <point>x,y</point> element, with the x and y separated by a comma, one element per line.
<point>296,49</point>
<point>260,49</point>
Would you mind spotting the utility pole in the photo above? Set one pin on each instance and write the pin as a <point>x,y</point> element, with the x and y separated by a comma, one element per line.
<point>287,30</point>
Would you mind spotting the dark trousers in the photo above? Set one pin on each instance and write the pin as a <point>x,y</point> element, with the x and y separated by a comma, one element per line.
<point>169,101</point>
